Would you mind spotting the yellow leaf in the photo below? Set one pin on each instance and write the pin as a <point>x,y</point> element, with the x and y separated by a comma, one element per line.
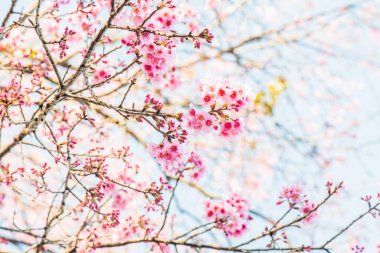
<point>32,54</point>
<point>259,98</point>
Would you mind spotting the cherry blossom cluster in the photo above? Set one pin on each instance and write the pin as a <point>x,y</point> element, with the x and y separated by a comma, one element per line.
<point>87,15</point>
<point>157,54</point>
<point>42,171</point>
<point>173,159</point>
<point>13,92</point>
<point>107,185</point>
<point>357,249</point>
<point>230,215</point>
<point>63,42</point>
<point>168,155</point>
<point>222,95</point>
<point>151,102</point>
<point>222,99</point>
<point>195,165</point>
<point>205,34</point>
<point>10,96</point>
<point>8,176</point>
<point>200,121</point>
<point>111,220</point>
<point>101,75</point>
<point>156,190</point>
<point>297,200</point>
<point>133,226</point>
<point>156,50</point>
<point>167,124</point>
<point>95,195</point>
<point>293,195</point>
<point>369,200</point>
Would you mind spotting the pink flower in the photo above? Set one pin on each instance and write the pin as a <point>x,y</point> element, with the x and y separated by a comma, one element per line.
<point>166,19</point>
<point>63,42</point>
<point>197,44</point>
<point>172,158</point>
<point>293,194</point>
<point>230,215</point>
<point>298,200</point>
<point>223,94</point>
<point>101,75</point>
<point>156,55</point>
<point>230,128</point>
<point>357,249</point>
<point>169,156</point>
<point>224,100</point>
<point>205,34</point>
<point>151,102</point>
<point>111,220</point>
<point>200,121</point>
<point>307,248</point>
<point>307,209</point>
<point>196,165</point>
<point>155,50</point>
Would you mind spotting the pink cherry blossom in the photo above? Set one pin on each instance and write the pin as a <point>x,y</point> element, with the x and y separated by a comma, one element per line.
<point>200,121</point>
<point>307,209</point>
<point>168,155</point>
<point>230,215</point>
<point>222,94</point>
<point>293,194</point>
<point>196,166</point>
